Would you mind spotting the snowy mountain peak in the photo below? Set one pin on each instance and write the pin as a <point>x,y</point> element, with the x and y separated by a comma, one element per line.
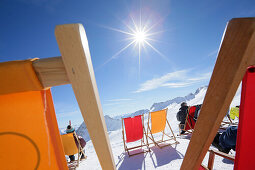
<point>177,100</point>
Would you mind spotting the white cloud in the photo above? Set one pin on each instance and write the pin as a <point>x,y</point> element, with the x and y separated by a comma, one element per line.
<point>177,85</point>
<point>175,79</point>
<point>68,114</point>
<point>213,53</point>
<point>117,100</point>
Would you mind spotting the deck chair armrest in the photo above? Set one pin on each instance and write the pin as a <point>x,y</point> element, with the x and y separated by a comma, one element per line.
<point>222,154</point>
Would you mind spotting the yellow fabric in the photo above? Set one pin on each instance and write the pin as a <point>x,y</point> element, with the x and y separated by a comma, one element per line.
<point>29,135</point>
<point>158,121</point>
<point>234,112</point>
<point>18,76</point>
<point>69,145</point>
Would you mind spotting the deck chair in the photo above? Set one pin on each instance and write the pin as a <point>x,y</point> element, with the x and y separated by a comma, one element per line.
<point>134,131</point>
<point>237,51</point>
<point>189,122</point>
<point>212,153</point>
<point>234,112</point>
<point>157,122</point>
<point>71,148</point>
<point>29,128</point>
<point>29,133</point>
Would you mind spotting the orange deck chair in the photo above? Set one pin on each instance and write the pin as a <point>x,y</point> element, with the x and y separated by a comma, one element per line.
<point>29,133</point>
<point>70,148</point>
<point>134,131</point>
<point>157,123</point>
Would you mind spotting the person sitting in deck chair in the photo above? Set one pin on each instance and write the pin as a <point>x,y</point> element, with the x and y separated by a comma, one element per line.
<point>227,140</point>
<point>70,129</point>
<point>181,115</point>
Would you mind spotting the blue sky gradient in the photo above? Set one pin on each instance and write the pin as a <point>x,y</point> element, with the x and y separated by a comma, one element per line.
<point>186,39</point>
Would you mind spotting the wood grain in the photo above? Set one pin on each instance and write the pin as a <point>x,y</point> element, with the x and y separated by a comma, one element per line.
<point>51,72</point>
<point>75,53</point>
<point>236,53</point>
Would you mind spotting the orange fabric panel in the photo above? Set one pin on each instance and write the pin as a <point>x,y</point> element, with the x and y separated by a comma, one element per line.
<point>69,145</point>
<point>29,133</point>
<point>158,121</point>
<point>18,76</point>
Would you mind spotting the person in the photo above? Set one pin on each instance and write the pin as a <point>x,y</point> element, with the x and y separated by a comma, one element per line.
<point>181,116</point>
<point>70,129</point>
<point>227,140</point>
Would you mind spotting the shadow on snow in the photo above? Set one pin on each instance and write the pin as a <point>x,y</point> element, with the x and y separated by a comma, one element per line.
<point>159,157</point>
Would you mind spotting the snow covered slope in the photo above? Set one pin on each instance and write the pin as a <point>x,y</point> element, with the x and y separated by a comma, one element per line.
<point>167,158</point>
<point>173,106</point>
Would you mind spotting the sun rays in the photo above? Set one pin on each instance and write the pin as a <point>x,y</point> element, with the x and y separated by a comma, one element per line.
<point>140,35</point>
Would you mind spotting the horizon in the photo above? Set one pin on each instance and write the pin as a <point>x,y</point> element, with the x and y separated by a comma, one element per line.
<point>142,51</point>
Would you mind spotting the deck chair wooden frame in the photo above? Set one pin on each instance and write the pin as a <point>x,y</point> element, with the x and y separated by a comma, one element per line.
<point>151,137</point>
<point>74,164</point>
<point>213,152</point>
<point>138,146</point>
<point>237,51</point>
<point>75,67</point>
<point>225,124</point>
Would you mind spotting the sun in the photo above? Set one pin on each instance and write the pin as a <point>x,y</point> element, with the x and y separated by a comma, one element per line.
<point>140,36</point>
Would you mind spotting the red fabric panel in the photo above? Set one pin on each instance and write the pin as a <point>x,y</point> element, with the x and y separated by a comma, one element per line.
<point>201,168</point>
<point>245,139</point>
<point>133,128</point>
<point>190,118</point>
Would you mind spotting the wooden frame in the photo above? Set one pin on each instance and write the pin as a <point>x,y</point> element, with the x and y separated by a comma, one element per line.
<point>156,143</point>
<point>135,147</point>
<point>75,68</point>
<point>213,152</point>
<point>237,51</point>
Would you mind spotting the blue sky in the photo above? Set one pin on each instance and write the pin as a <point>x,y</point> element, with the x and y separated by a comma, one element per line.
<point>179,56</point>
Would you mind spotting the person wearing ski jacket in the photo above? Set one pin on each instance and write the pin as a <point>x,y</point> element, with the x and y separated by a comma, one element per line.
<point>70,129</point>
<point>181,115</point>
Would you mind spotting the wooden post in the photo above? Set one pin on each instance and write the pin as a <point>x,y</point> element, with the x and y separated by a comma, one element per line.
<point>74,48</point>
<point>211,160</point>
<point>236,53</point>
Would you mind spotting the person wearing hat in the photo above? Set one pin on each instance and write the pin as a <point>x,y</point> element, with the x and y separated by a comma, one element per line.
<point>181,115</point>
<point>70,129</point>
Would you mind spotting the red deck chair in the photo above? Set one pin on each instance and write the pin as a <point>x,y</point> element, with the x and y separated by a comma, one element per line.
<point>190,121</point>
<point>245,140</point>
<point>134,131</point>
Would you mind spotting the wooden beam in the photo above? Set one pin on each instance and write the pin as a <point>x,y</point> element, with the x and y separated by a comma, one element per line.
<point>75,53</point>
<point>236,53</point>
<point>51,71</point>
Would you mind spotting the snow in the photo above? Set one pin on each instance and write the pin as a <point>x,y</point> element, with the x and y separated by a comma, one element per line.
<point>169,157</point>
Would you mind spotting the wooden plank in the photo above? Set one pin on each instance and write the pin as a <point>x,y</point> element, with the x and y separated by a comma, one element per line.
<point>236,53</point>
<point>211,160</point>
<point>51,71</point>
<point>75,53</point>
<point>222,154</point>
